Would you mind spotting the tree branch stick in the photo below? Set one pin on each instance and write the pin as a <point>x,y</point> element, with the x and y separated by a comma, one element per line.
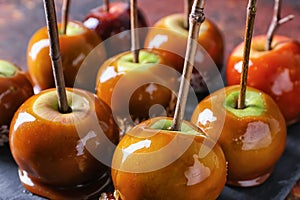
<point>106,5</point>
<point>251,12</point>
<point>50,13</point>
<point>187,10</point>
<point>134,33</point>
<point>275,23</point>
<point>196,18</point>
<point>65,16</point>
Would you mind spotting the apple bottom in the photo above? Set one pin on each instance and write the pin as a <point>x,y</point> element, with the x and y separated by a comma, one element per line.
<point>252,182</point>
<point>80,191</point>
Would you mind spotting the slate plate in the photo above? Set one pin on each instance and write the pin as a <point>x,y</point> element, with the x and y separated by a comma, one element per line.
<point>277,187</point>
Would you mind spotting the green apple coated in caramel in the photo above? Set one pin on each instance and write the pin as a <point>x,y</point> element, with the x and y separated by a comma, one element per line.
<point>253,138</point>
<point>75,46</point>
<point>15,88</point>
<point>152,162</point>
<point>56,153</point>
<point>133,89</point>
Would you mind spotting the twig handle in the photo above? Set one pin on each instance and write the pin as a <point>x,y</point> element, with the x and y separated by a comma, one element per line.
<point>197,17</point>
<point>65,16</point>
<point>106,5</point>
<point>251,12</point>
<point>55,56</point>
<point>275,23</point>
<point>187,10</point>
<point>135,46</point>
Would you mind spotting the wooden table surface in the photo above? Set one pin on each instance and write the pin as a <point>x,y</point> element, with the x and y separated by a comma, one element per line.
<point>19,19</point>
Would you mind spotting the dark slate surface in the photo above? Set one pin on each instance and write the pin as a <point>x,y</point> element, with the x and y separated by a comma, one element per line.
<point>277,187</point>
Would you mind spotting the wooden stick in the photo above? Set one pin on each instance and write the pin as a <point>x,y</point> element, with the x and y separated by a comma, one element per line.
<point>197,17</point>
<point>106,5</point>
<point>50,13</point>
<point>275,23</point>
<point>187,10</point>
<point>251,12</point>
<point>134,33</point>
<point>65,16</point>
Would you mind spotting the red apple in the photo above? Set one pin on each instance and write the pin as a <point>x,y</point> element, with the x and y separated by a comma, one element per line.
<point>111,23</point>
<point>276,72</point>
<point>15,88</point>
<point>132,90</point>
<point>75,45</point>
<point>116,20</point>
<point>58,153</point>
<point>170,37</point>
<point>152,162</point>
<point>253,138</point>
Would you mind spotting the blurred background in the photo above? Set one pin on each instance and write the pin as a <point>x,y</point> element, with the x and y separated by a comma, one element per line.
<point>19,19</point>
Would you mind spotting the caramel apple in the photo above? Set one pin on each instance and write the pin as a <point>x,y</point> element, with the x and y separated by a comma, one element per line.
<point>108,20</point>
<point>247,123</point>
<point>153,162</point>
<point>15,88</point>
<point>275,71</point>
<point>62,139</point>
<point>169,158</point>
<point>75,45</point>
<point>111,21</point>
<point>59,154</point>
<point>273,67</point>
<point>253,138</point>
<point>169,36</point>
<point>132,89</point>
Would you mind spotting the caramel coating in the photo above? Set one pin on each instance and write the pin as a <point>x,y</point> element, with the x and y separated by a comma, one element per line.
<point>169,36</point>
<point>74,49</point>
<point>161,164</point>
<point>276,72</point>
<point>56,152</point>
<point>138,88</point>
<point>252,143</point>
<point>14,90</point>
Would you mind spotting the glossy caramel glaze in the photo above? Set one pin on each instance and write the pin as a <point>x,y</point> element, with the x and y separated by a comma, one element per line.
<point>170,36</point>
<point>74,49</point>
<point>252,144</point>
<point>14,90</point>
<point>58,154</point>
<point>276,72</point>
<point>159,164</point>
<point>132,92</point>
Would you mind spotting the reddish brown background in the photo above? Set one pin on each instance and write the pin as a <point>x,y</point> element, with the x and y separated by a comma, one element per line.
<point>19,19</point>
